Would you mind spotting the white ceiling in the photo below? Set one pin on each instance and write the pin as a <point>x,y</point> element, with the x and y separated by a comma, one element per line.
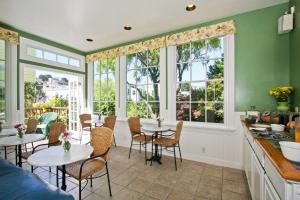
<point>70,22</point>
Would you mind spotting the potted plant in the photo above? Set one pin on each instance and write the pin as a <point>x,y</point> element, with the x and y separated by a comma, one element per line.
<point>281,95</point>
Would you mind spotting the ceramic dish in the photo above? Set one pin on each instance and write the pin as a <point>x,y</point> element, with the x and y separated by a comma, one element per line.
<point>290,150</point>
<point>260,125</point>
<point>277,127</point>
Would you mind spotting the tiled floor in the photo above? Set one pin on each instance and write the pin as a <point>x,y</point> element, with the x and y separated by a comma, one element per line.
<point>131,179</point>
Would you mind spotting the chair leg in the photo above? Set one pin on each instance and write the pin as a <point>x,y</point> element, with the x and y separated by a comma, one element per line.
<point>50,169</point>
<point>80,136</point>
<point>179,152</point>
<point>31,169</point>
<point>115,141</point>
<point>151,153</point>
<point>108,179</point>
<point>175,157</point>
<point>91,181</point>
<point>79,190</point>
<point>140,147</point>
<point>145,153</point>
<point>57,184</point>
<point>130,148</point>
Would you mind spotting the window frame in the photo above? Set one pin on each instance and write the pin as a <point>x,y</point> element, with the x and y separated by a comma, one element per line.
<point>5,60</point>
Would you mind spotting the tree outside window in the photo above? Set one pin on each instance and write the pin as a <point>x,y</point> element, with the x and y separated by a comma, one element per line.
<point>143,84</point>
<point>104,86</point>
<point>200,81</point>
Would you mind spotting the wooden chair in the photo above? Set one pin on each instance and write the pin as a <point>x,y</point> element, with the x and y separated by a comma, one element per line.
<point>31,129</point>
<point>109,122</point>
<point>56,129</point>
<point>85,126</point>
<point>171,140</point>
<point>137,135</point>
<point>101,141</point>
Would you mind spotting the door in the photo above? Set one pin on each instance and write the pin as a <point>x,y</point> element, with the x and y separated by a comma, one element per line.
<point>75,102</point>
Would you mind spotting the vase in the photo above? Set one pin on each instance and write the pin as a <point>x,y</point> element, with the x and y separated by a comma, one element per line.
<point>158,123</point>
<point>67,146</point>
<point>20,134</point>
<point>283,106</point>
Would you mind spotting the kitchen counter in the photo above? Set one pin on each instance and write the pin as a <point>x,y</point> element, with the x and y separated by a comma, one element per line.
<point>288,170</point>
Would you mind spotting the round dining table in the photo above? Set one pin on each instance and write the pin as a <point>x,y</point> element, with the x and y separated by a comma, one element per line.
<point>94,121</point>
<point>18,142</point>
<point>5,133</point>
<point>56,156</point>
<point>155,130</point>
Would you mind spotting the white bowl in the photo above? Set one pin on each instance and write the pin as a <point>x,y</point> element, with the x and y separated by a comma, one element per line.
<point>290,150</point>
<point>277,127</point>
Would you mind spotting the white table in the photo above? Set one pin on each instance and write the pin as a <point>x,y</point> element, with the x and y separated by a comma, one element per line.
<point>155,130</point>
<point>56,156</point>
<point>8,132</point>
<point>94,121</point>
<point>18,142</point>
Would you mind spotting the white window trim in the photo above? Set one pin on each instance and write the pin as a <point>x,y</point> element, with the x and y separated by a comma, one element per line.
<point>26,43</point>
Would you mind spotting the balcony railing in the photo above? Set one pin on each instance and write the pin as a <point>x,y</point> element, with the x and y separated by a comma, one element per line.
<point>36,112</point>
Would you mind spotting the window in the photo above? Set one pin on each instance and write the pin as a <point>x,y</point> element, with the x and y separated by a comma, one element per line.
<point>46,55</point>
<point>200,81</point>
<point>104,86</point>
<point>143,84</point>
<point>2,81</point>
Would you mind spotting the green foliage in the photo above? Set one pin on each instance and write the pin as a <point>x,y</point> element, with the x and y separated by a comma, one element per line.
<point>33,92</point>
<point>57,101</point>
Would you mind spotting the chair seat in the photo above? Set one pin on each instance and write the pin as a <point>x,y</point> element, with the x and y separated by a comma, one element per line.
<point>25,155</point>
<point>86,129</point>
<point>141,138</point>
<point>166,142</point>
<point>89,168</point>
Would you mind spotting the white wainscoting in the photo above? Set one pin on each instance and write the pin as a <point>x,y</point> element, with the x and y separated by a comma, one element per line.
<point>208,145</point>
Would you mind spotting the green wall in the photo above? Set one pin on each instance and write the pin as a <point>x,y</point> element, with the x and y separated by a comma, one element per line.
<point>295,54</point>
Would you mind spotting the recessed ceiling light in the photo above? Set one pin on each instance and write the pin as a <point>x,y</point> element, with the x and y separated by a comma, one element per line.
<point>89,40</point>
<point>127,28</point>
<point>190,7</point>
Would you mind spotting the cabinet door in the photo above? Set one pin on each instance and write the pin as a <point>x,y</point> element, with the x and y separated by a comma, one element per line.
<point>257,179</point>
<point>247,162</point>
<point>269,191</point>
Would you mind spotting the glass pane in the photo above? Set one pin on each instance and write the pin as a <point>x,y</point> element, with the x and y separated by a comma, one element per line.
<point>111,65</point>
<point>97,67</point>
<point>111,89</point>
<point>96,87</point>
<point>2,49</point>
<point>215,91</point>
<point>215,48</point>
<point>131,93</point>
<point>49,56</point>
<point>141,76</point>
<point>131,76</point>
<point>103,87</point>
<point>111,108</point>
<point>183,72</point>
<point>183,92</point>
<point>34,52</point>
<point>198,71</point>
<point>153,57</point>
<point>215,69</point>
<point>141,59</point>
<point>2,70</point>
<point>136,109</point>
<point>198,112</point>
<point>153,110</point>
<point>74,62</point>
<point>153,75</point>
<point>141,92</point>
<point>153,92</point>
<point>198,91</point>
<point>198,50</point>
<point>96,106</point>
<point>131,61</point>
<point>183,53</point>
<point>183,111</point>
<point>215,112</point>
<point>62,59</point>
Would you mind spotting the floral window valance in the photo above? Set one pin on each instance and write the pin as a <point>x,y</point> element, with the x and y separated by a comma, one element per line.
<point>9,36</point>
<point>202,33</point>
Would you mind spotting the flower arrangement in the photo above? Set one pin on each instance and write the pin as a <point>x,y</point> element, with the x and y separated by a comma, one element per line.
<point>65,136</point>
<point>281,94</point>
<point>21,130</point>
<point>159,120</point>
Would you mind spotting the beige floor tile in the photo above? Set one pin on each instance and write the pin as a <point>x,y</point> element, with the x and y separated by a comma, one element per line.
<point>158,191</point>
<point>211,180</point>
<point>227,195</point>
<point>94,196</point>
<point>104,190</point>
<point>177,195</point>
<point>235,187</point>
<point>207,191</point>
<point>127,194</point>
<point>139,185</point>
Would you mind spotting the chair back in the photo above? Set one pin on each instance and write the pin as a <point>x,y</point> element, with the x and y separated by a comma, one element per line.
<point>83,118</point>
<point>31,126</point>
<point>48,117</point>
<point>134,126</point>
<point>56,129</point>
<point>101,141</point>
<point>178,131</point>
<point>109,122</point>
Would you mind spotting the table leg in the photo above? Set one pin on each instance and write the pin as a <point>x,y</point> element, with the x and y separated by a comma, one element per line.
<point>20,155</point>
<point>63,171</point>
<point>5,153</point>
<point>156,157</point>
<point>16,155</point>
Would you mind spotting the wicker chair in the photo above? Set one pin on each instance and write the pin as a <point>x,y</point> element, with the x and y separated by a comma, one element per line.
<point>84,126</point>
<point>101,141</point>
<point>171,140</point>
<point>137,135</point>
<point>31,129</point>
<point>109,122</point>
<point>55,131</point>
